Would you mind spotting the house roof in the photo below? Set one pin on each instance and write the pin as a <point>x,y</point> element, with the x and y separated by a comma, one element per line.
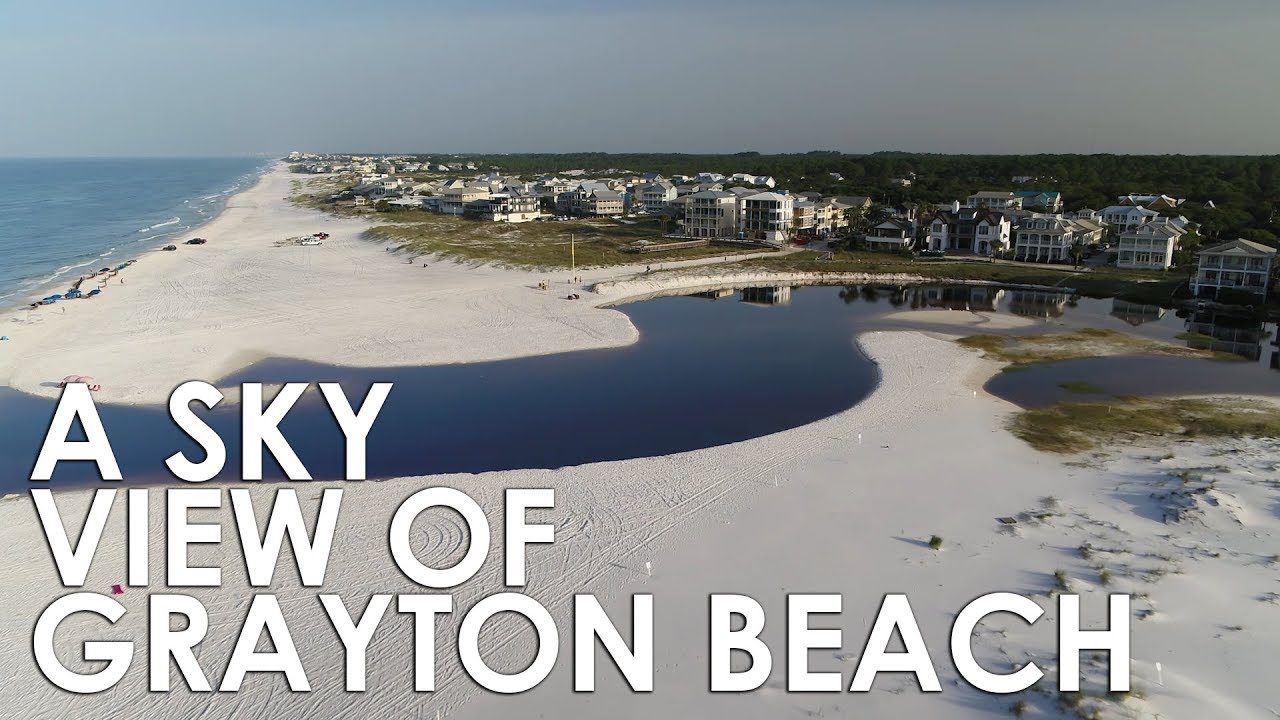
<point>1128,209</point>
<point>768,196</point>
<point>854,200</point>
<point>1240,247</point>
<point>896,224</point>
<point>1053,194</point>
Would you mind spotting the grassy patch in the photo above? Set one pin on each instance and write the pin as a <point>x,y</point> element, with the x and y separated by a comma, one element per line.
<point>1071,427</point>
<point>595,242</point>
<point>1082,343</point>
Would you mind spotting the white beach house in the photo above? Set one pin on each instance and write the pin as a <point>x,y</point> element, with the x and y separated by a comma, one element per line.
<point>1050,238</point>
<point>1123,218</point>
<point>1240,265</point>
<point>1149,246</point>
<point>994,199</point>
<point>768,217</point>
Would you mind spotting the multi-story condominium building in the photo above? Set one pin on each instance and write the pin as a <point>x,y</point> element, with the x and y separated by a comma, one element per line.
<point>456,198</point>
<point>994,199</point>
<point>968,230</point>
<point>1149,246</point>
<point>711,214</point>
<point>1240,265</point>
<point>656,197</point>
<point>1050,238</point>
<point>768,217</point>
<point>1123,218</point>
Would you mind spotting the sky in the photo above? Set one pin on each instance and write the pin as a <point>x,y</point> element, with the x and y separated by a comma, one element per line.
<point>180,78</point>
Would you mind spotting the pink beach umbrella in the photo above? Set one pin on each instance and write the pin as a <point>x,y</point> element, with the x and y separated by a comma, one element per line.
<point>85,379</point>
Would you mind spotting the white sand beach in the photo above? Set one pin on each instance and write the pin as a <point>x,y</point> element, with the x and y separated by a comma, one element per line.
<point>846,504</point>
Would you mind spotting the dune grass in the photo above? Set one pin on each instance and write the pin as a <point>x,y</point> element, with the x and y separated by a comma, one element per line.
<point>595,242</point>
<point>1072,427</point>
<point>1082,343</point>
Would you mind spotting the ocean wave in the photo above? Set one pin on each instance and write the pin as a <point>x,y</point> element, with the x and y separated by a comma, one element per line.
<point>24,273</point>
<point>166,223</point>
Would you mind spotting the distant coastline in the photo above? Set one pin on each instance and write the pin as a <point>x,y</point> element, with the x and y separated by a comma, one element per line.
<point>68,217</point>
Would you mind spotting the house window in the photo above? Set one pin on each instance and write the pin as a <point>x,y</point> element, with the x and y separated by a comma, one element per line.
<point>937,227</point>
<point>982,229</point>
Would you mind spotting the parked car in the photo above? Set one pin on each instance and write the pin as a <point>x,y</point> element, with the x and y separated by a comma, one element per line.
<point>197,241</point>
<point>170,247</point>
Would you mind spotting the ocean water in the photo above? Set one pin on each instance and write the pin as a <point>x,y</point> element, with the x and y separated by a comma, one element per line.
<point>60,218</point>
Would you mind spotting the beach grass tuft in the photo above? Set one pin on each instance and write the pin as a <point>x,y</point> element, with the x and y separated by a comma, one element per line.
<point>1072,427</point>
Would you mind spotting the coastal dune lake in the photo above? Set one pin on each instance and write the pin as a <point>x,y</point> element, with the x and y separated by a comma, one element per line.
<point>707,370</point>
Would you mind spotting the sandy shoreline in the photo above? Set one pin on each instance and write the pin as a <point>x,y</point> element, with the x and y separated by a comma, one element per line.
<point>845,504</point>
<point>207,311</point>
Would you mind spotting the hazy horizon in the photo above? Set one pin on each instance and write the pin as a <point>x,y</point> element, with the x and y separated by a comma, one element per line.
<point>928,76</point>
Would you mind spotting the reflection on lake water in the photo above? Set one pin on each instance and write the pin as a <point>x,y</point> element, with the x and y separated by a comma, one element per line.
<point>748,363</point>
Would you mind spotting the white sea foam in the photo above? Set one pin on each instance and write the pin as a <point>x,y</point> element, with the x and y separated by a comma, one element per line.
<point>166,223</point>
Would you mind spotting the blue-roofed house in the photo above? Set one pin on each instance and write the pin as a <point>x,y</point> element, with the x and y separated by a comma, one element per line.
<point>1050,200</point>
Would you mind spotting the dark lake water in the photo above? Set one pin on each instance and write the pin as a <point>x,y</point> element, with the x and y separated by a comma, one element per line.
<point>705,372</point>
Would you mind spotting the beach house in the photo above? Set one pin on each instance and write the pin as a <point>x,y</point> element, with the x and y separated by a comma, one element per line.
<point>1238,265</point>
<point>1050,238</point>
<point>1148,246</point>
<point>711,214</point>
<point>1050,201</point>
<point>1121,219</point>
<point>994,199</point>
<point>656,197</point>
<point>511,207</point>
<point>767,217</point>
<point>802,216</point>
<point>890,234</point>
<point>590,199</point>
<point>455,199</point>
<point>979,231</point>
